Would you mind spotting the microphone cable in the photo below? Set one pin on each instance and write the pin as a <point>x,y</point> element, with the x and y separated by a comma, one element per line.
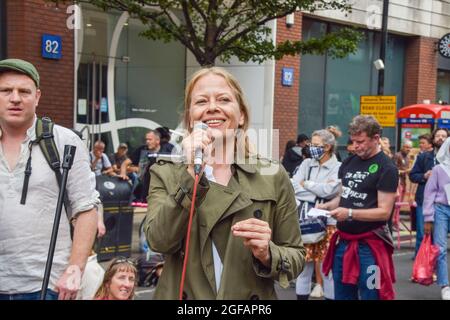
<point>188,236</point>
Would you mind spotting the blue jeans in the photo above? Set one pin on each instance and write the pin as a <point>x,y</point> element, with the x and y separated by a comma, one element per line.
<point>134,183</point>
<point>419,228</point>
<point>441,228</point>
<point>363,290</point>
<point>51,295</point>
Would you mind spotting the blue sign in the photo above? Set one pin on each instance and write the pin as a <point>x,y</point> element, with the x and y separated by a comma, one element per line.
<point>415,121</point>
<point>444,123</point>
<point>287,77</point>
<point>51,46</point>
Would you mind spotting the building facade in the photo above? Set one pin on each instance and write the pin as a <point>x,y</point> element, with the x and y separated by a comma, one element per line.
<point>329,89</point>
<point>2,29</point>
<point>114,85</point>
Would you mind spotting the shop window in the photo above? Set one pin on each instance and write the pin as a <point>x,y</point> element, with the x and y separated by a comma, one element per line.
<point>127,84</point>
<point>443,86</point>
<point>312,79</point>
<point>330,89</point>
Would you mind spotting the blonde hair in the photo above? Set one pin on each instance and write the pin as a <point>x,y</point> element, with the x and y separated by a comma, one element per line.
<point>116,265</point>
<point>242,141</point>
<point>329,136</point>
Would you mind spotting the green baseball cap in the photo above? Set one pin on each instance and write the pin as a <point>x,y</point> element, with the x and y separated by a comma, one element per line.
<point>21,66</point>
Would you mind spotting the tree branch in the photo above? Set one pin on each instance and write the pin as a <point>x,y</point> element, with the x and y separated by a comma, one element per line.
<point>228,42</point>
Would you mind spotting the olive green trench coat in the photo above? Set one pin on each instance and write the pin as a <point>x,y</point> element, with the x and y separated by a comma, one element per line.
<point>250,193</point>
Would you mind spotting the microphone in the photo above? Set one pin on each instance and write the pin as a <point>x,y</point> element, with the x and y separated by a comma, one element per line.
<point>198,156</point>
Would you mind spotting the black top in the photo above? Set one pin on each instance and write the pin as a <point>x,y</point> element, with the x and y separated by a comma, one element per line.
<point>116,160</point>
<point>292,159</point>
<point>361,181</point>
<point>424,162</point>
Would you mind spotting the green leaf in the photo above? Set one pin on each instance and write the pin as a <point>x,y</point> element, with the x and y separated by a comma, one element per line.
<point>213,29</point>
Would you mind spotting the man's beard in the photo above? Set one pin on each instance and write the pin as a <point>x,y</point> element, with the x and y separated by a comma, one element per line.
<point>438,144</point>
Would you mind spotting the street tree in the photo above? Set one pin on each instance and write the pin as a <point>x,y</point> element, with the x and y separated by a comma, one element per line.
<point>221,29</point>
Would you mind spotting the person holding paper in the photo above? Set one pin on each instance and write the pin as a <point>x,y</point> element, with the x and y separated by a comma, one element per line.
<point>317,178</point>
<point>436,212</point>
<point>360,252</point>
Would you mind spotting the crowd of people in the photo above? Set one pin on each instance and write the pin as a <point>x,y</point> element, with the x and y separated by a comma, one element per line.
<point>415,174</point>
<point>133,167</point>
<point>238,225</point>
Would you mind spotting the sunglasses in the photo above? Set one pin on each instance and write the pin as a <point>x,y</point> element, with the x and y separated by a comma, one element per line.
<point>124,260</point>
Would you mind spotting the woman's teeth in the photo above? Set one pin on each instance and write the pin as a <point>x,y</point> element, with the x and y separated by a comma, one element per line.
<point>214,121</point>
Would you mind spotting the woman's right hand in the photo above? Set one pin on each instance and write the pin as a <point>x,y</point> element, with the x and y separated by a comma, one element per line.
<point>196,139</point>
<point>428,227</point>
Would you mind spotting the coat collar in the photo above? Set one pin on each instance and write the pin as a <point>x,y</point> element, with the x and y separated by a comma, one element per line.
<point>247,167</point>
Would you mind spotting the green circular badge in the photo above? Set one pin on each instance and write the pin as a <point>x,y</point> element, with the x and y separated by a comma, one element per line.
<point>373,168</point>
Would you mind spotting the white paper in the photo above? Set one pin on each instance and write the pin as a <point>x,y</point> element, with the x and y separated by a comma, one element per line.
<point>314,213</point>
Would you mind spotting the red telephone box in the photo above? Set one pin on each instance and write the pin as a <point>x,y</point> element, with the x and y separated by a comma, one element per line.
<point>419,119</point>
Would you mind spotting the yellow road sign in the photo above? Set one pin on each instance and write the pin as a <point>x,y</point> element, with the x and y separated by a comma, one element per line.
<point>383,108</point>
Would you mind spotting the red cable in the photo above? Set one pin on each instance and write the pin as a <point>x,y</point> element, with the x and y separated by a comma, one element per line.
<point>188,237</point>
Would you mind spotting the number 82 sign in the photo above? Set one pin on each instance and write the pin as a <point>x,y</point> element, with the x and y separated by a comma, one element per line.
<point>287,77</point>
<point>51,46</point>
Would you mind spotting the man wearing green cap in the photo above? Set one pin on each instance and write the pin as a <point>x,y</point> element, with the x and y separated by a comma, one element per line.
<point>26,222</point>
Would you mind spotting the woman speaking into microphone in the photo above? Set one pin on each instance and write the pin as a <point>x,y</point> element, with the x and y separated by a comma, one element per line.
<point>241,234</point>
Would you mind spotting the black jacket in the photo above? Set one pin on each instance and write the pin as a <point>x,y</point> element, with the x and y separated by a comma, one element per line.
<point>424,162</point>
<point>292,159</point>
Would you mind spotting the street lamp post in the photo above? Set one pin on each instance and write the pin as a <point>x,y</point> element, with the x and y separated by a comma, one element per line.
<point>384,37</point>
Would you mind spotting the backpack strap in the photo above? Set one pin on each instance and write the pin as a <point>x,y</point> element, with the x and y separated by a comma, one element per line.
<point>45,139</point>
<point>50,151</point>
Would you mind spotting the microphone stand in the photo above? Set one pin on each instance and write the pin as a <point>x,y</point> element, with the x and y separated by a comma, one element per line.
<point>69,154</point>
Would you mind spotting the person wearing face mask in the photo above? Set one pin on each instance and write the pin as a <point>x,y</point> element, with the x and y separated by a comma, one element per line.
<point>317,178</point>
<point>119,281</point>
<point>245,233</point>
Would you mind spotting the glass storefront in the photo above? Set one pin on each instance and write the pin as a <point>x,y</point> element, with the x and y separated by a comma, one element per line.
<point>330,89</point>
<point>2,29</point>
<point>443,80</point>
<point>443,86</point>
<point>126,84</point>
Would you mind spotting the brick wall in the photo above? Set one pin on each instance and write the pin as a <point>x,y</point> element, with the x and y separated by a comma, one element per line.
<point>420,70</point>
<point>27,21</point>
<point>286,99</point>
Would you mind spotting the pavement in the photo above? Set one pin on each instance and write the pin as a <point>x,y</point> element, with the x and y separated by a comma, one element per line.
<point>405,289</point>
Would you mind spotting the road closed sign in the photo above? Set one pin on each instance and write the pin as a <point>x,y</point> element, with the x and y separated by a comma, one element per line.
<point>383,108</point>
